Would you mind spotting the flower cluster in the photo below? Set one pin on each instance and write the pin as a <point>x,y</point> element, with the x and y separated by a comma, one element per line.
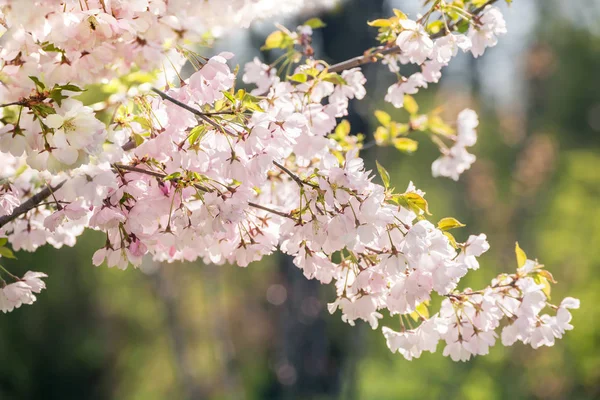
<point>456,160</point>
<point>417,47</point>
<point>468,322</point>
<point>48,56</point>
<point>22,291</point>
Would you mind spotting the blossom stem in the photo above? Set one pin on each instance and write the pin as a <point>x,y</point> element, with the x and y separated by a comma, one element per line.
<point>295,177</point>
<point>9,274</point>
<point>194,111</point>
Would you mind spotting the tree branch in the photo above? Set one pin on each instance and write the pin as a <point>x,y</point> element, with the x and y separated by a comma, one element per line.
<point>295,177</point>
<point>198,113</point>
<point>33,202</point>
<point>200,187</point>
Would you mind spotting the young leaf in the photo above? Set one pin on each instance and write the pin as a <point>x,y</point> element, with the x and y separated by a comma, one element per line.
<point>315,23</point>
<point>410,104</point>
<point>38,84</point>
<point>399,14</point>
<point>383,118</point>
<point>541,280</point>
<point>334,78</point>
<point>439,127</point>
<point>417,202</point>
<point>197,133</point>
<point>299,77</point>
<point>276,40</point>
<point>385,176</point>
<point>449,223</point>
<point>174,175</point>
<point>547,275</point>
<point>343,128</point>
<point>451,238</point>
<point>380,23</point>
<point>406,145</point>
<point>521,256</point>
<point>229,96</point>
<point>6,252</point>
<point>420,311</point>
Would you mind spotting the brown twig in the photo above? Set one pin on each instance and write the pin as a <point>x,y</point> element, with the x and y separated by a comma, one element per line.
<point>33,202</point>
<point>198,113</point>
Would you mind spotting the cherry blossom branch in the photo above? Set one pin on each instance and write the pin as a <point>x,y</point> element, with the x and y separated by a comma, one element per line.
<point>295,177</point>
<point>148,172</point>
<point>38,199</point>
<point>14,103</point>
<point>200,187</point>
<point>199,114</point>
<point>33,202</point>
<point>371,55</point>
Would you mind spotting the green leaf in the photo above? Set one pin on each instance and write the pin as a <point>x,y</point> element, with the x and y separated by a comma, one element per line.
<point>380,23</point>
<point>418,201</point>
<point>410,104</point>
<point>449,223</point>
<point>42,110</point>
<point>383,118</point>
<point>462,26</point>
<point>315,23</point>
<point>197,133</point>
<point>399,14</point>
<point>3,241</point>
<point>397,128</point>
<point>6,252</point>
<point>547,275</point>
<point>385,176</point>
<point>229,96</point>
<point>71,88</point>
<point>521,256</point>
<point>174,175</point>
<point>57,96</point>
<point>541,280</point>
<point>38,84</point>
<point>50,47</point>
<point>277,40</point>
<point>438,126</point>
<point>138,139</point>
<point>343,128</point>
<point>435,26</point>
<point>420,310</point>
<point>413,201</point>
<point>299,77</point>
<point>240,94</point>
<point>333,78</point>
<point>451,238</point>
<point>251,103</point>
<point>405,144</point>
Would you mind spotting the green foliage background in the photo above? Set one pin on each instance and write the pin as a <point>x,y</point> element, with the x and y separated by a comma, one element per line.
<point>209,332</point>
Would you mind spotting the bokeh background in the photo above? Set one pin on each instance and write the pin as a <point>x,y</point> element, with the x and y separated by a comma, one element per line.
<point>193,331</point>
